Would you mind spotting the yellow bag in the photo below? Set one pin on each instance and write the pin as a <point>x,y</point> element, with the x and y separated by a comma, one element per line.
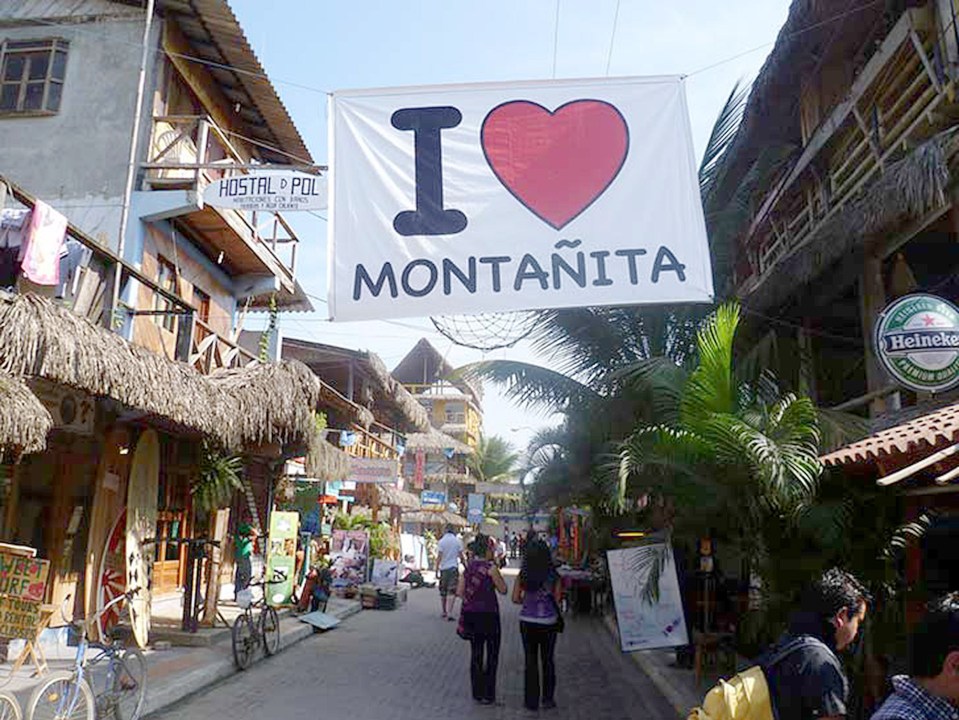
<point>745,696</point>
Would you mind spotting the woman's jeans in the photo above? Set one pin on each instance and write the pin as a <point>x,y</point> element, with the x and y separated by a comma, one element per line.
<point>539,644</point>
<point>483,630</point>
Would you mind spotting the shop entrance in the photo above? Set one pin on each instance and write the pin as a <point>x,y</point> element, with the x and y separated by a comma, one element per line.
<point>173,515</point>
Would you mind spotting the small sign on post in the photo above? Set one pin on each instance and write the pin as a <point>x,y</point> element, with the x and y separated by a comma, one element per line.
<point>23,583</point>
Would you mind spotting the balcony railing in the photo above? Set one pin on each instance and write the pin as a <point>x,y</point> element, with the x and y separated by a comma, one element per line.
<point>209,351</point>
<point>890,106</point>
<point>191,151</point>
<point>367,445</point>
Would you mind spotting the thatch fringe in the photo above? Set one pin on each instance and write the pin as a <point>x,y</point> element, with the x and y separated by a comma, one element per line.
<point>249,406</point>
<point>436,441</point>
<point>326,462</point>
<point>397,498</point>
<point>24,422</point>
<point>431,517</point>
<point>910,188</point>
<point>415,413</point>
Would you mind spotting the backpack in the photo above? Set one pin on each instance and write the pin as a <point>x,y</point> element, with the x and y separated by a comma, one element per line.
<point>745,696</point>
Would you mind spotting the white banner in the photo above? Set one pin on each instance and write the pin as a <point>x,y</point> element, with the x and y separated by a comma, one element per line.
<point>645,624</point>
<point>497,197</point>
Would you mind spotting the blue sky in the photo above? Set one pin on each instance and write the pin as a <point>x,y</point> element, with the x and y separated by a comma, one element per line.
<point>328,46</point>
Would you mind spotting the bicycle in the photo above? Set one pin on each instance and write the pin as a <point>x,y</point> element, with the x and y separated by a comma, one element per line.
<point>9,707</point>
<point>249,632</point>
<point>70,694</point>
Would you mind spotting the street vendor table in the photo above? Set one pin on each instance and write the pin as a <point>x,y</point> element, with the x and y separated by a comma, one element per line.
<point>577,587</point>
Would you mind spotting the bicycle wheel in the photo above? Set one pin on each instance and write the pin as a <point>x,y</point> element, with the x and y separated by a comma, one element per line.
<point>9,707</point>
<point>270,629</point>
<point>62,697</point>
<point>129,684</point>
<point>244,641</point>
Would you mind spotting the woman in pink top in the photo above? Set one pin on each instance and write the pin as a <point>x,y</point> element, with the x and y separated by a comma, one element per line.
<point>479,619</point>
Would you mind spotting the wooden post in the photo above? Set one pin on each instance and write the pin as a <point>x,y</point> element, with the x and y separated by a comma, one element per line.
<point>807,362</point>
<point>872,299</point>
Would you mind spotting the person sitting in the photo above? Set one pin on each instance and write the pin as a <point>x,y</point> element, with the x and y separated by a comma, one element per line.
<point>413,576</point>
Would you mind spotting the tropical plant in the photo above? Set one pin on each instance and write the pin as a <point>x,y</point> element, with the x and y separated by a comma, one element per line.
<point>218,479</point>
<point>494,459</point>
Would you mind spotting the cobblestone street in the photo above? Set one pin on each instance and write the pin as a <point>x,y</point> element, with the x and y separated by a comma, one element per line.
<point>410,664</point>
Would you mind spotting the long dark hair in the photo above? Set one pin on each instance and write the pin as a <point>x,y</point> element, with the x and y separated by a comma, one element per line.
<point>537,565</point>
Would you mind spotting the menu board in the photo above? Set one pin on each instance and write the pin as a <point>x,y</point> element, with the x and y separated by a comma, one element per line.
<point>281,557</point>
<point>23,583</point>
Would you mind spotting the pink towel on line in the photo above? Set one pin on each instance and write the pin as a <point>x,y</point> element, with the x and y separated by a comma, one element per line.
<point>43,242</point>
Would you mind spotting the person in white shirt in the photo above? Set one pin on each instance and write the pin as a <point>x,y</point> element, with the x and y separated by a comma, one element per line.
<point>449,553</point>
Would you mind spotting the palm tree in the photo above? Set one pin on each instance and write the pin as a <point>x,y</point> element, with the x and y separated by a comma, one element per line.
<point>494,459</point>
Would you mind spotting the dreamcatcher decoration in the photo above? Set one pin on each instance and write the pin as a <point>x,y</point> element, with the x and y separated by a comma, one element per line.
<point>487,331</point>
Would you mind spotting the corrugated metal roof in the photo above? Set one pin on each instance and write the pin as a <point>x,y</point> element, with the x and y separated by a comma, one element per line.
<point>216,36</point>
<point>926,432</point>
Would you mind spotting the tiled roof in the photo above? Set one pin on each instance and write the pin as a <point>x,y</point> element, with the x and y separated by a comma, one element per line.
<point>928,431</point>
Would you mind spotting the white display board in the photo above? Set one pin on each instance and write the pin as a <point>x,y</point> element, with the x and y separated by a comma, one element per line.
<point>509,196</point>
<point>645,625</point>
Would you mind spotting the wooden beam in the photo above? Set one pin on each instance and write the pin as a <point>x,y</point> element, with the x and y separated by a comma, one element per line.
<point>911,470</point>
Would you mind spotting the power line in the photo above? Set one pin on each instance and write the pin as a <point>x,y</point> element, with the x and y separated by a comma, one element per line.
<point>795,33</point>
<point>555,38</point>
<point>612,38</point>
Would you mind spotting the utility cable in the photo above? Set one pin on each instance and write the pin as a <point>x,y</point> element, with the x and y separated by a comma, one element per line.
<point>612,38</point>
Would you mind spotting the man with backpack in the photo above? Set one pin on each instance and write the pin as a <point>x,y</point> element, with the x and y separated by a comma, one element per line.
<point>800,677</point>
<point>931,690</point>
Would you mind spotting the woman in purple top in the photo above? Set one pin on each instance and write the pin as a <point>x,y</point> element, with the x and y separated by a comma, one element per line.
<point>479,621</point>
<point>537,589</point>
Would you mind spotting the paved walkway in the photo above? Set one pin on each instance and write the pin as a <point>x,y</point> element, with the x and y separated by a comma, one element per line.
<point>410,665</point>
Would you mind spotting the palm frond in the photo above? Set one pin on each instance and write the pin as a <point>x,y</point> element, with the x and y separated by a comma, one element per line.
<point>712,387</point>
<point>530,385</point>
<point>722,135</point>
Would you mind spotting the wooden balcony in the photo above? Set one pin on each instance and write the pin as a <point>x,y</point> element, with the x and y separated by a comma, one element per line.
<point>368,444</point>
<point>187,153</point>
<point>898,100</point>
<point>209,351</point>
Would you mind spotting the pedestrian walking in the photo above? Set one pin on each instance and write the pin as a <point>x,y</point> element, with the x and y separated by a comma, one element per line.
<point>513,545</point>
<point>931,690</point>
<point>243,552</point>
<point>479,618</point>
<point>805,677</point>
<point>537,589</point>
<point>449,553</point>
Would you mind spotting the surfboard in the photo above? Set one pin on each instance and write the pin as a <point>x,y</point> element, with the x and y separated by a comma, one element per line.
<point>109,499</point>
<point>141,521</point>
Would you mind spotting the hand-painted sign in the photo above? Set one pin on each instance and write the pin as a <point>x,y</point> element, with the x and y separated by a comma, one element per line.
<point>268,190</point>
<point>647,618</point>
<point>917,340</point>
<point>23,582</point>
<point>475,504</point>
<point>432,497</point>
<point>281,557</point>
<point>373,470</point>
<point>498,197</point>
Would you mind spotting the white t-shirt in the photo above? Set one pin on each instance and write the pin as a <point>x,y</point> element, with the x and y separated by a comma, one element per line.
<point>449,549</point>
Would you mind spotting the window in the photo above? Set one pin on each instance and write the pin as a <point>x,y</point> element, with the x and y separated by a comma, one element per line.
<point>31,76</point>
<point>166,279</point>
<point>202,303</point>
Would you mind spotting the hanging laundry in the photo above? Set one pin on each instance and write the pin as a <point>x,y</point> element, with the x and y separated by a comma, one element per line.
<point>43,243</point>
<point>72,258</point>
<point>12,224</point>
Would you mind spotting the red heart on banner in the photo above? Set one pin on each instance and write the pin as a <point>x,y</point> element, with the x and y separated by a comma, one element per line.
<point>556,163</point>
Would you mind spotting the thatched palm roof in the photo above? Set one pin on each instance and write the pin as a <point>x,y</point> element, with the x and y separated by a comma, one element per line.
<point>435,441</point>
<point>326,462</point>
<point>397,498</point>
<point>24,422</point>
<point>259,404</point>
<point>812,30</point>
<point>433,517</point>
<point>909,188</point>
<point>424,365</point>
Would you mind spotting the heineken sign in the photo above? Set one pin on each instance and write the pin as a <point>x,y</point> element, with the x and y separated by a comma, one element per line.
<point>917,340</point>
